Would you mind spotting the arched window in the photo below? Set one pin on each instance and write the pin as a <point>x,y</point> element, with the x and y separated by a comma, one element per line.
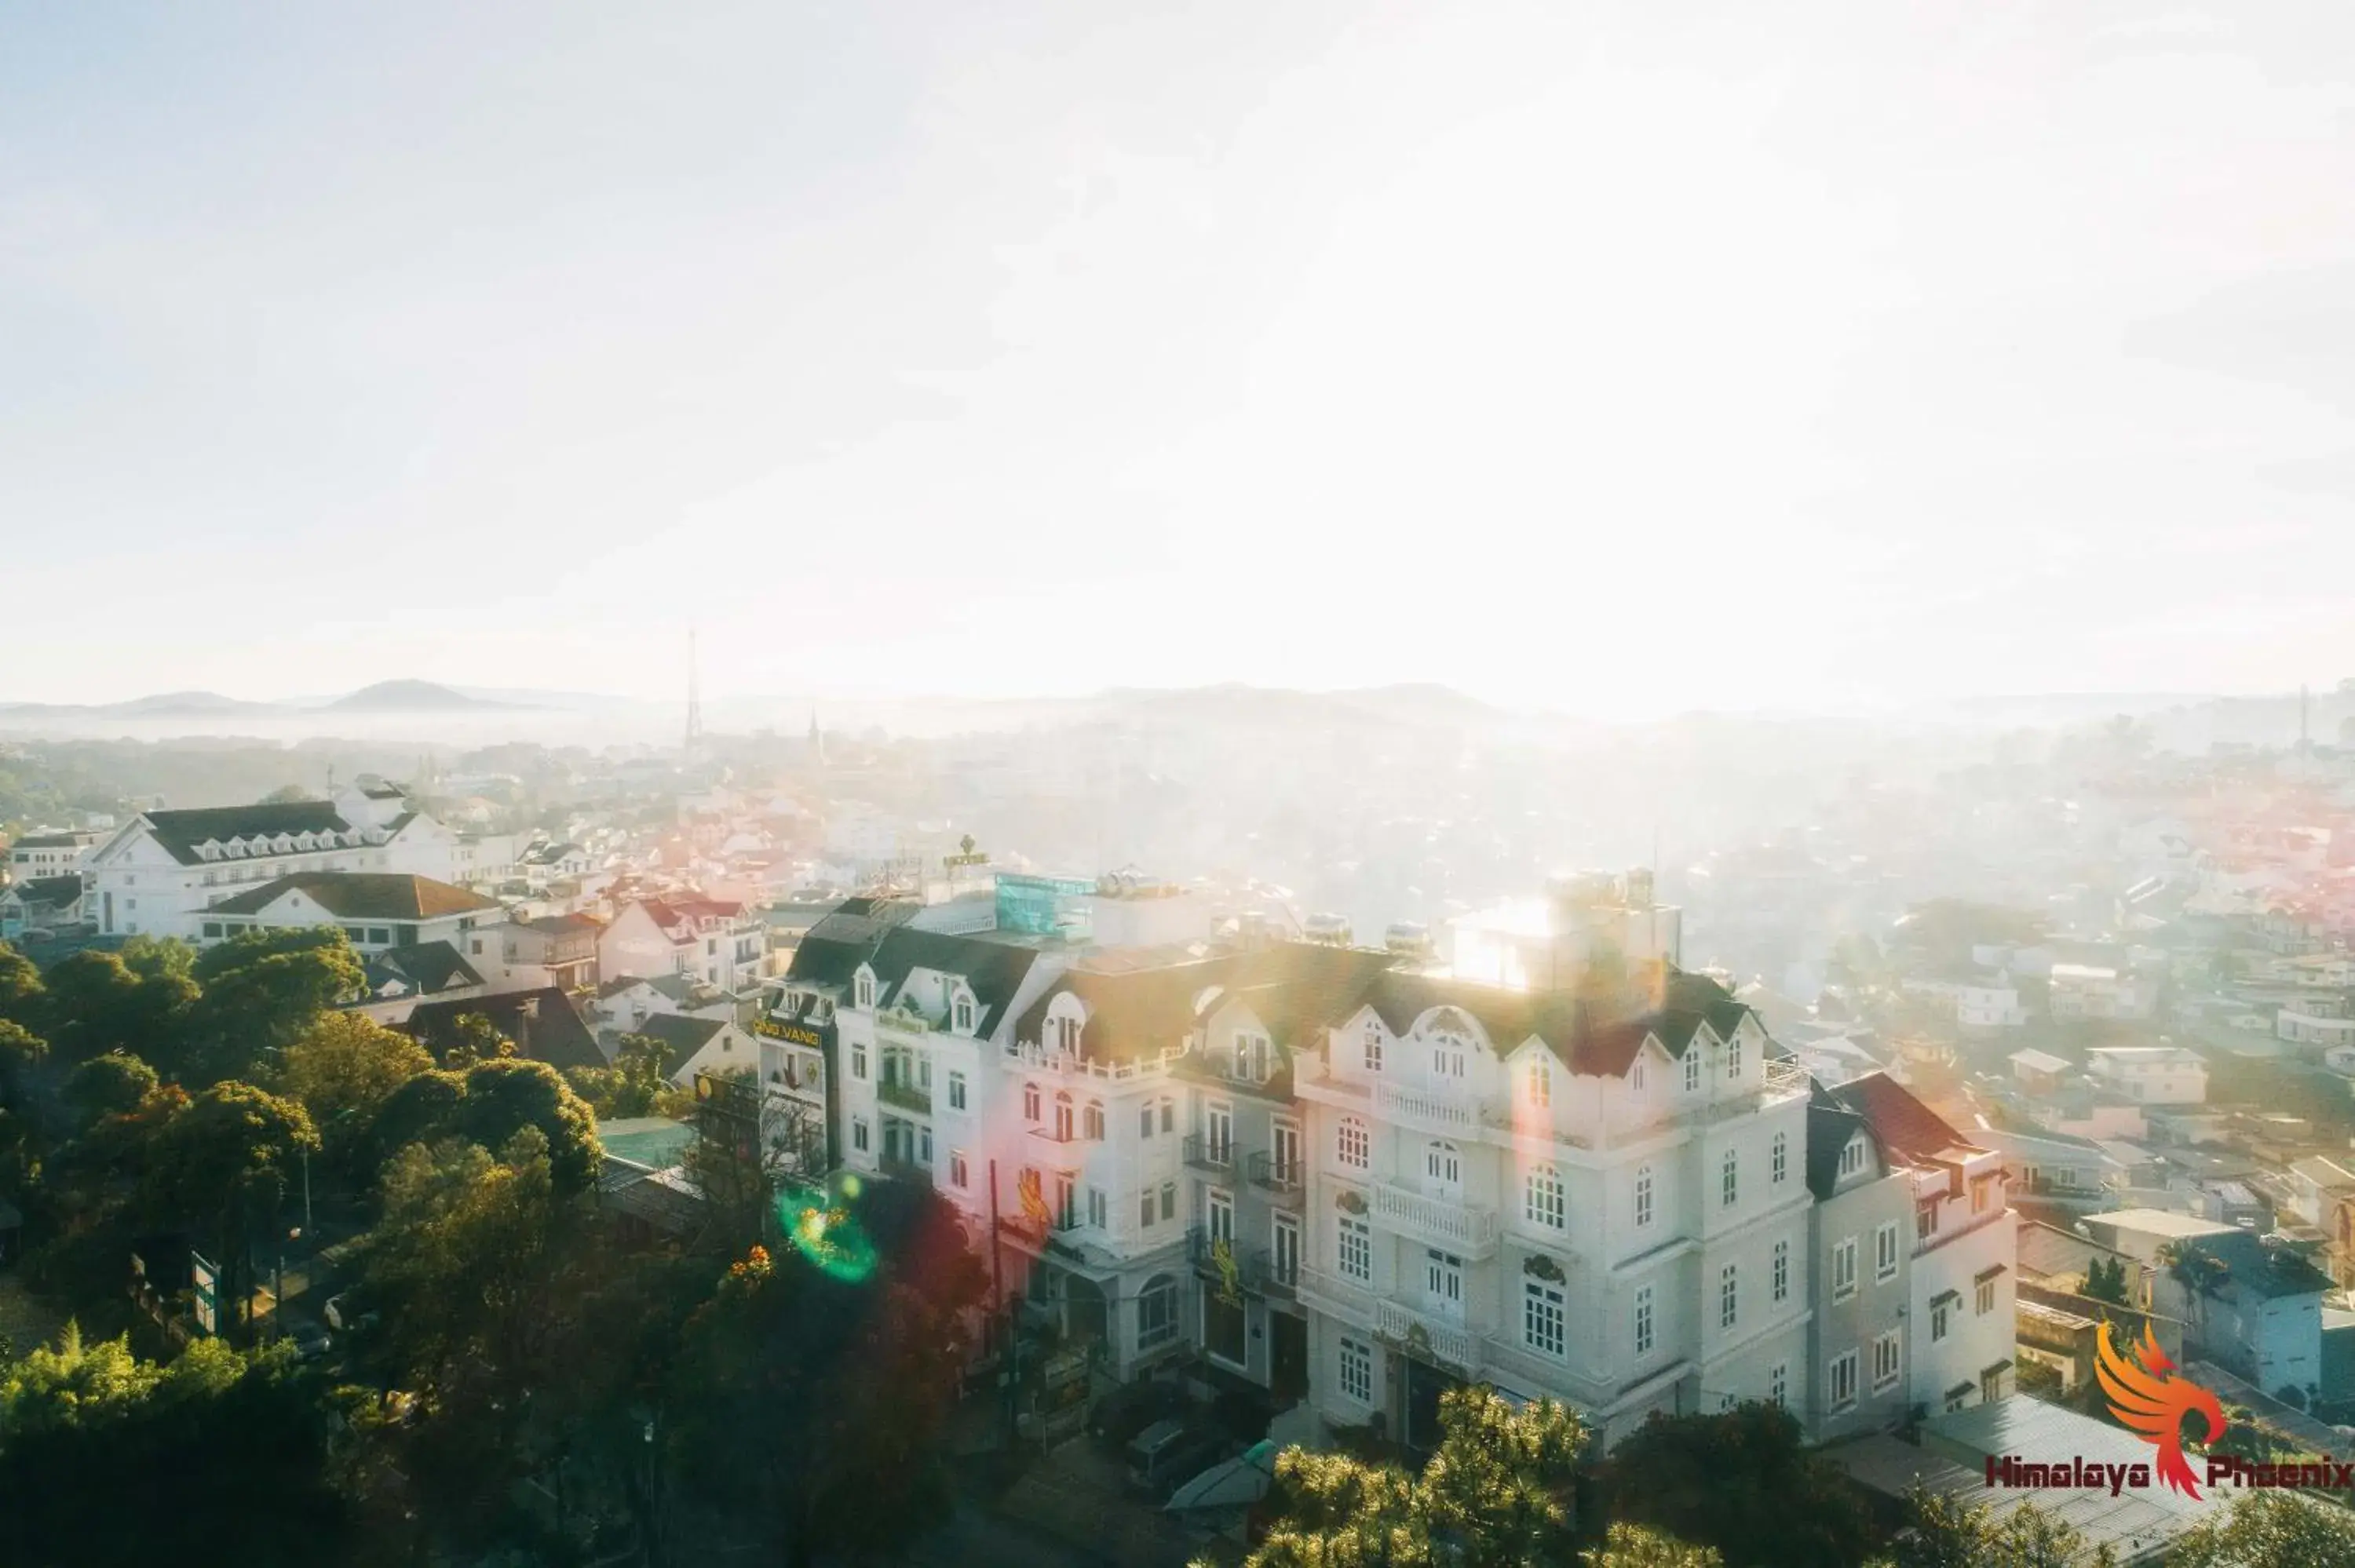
<point>1539,1078</point>
<point>1543,1200</point>
<point>1156,1312</point>
<point>1354,1150</point>
<point>1030,1102</point>
<point>1094,1122</point>
<point>1063,1116</point>
<point>1644,1195</point>
<point>1778,1163</point>
<point>1635,1077</point>
<point>1443,1163</point>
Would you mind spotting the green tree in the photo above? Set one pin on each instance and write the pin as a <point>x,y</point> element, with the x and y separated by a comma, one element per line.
<point>634,1085</point>
<point>1633,1546</point>
<point>1943,1532</point>
<point>252,1010</point>
<point>475,1038</point>
<point>159,958</point>
<point>23,999</point>
<point>114,1083</point>
<point>228,1450</point>
<point>226,1162</point>
<point>344,1066</point>
<point>2268,1530</point>
<point>96,1003</point>
<point>489,1105</point>
<point>1497,1492</point>
<point>1743,1482</point>
<point>808,1410</point>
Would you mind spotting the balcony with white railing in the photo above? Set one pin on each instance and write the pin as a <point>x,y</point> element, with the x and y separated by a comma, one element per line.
<point>1465,1229</point>
<point>1421,1333</point>
<point>1428,1110</point>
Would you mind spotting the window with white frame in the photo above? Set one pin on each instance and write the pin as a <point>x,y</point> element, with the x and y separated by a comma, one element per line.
<point>1984,1300</point>
<point>1541,1318</point>
<point>1778,1384</point>
<point>1692,1068</point>
<point>1729,1181</point>
<point>1938,1310</point>
<point>1644,1337</point>
<point>1844,1270</point>
<point>1145,1209</point>
<point>863,991</point>
<point>1373,1048</point>
<point>1447,1060</point>
<point>963,1016</point>
<point>1063,1116</point>
<point>956,1091</point>
<point>1782,1271</point>
<point>1542,1197</point>
<point>1443,1163</point>
<point>1099,1209</point>
<point>859,1062</point>
<point>1030,1102</point>
<point>1357,1249</point>
<point>1539,1079</point>
<point>1778,1158</point>
<point>1734,1057</point>
<point>1169,1115</point>
<point>1729,1296</point>
<point>1221,1220</point>
<point>1355,1149</point>
<point>1144,1120</point>
<point>1156,1312</point>
<point>1168,1201</point>
<point>1855,1155</point>
<point>1093,1122</point>
<point>1842,1381</point>
<point>1884,1360</point>
<point>1884,1252</point>
<point>1635,1077</point>
<point>1642,1195</point>
<point>859,1133</point>
<point>1356,1370</point>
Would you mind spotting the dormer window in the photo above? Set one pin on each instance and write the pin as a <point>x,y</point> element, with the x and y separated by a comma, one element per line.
<point>1251,1052</point>
<point>1734,1057</point>
<point>960,1015</point>
<point>1692,1068</point>
<point>1637,1080</point>
<point>1857,1155</point>
<point>862,991</point>
<point>1538,1078</point>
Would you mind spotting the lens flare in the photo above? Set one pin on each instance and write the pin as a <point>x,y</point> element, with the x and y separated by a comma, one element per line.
<point>817,1219</point>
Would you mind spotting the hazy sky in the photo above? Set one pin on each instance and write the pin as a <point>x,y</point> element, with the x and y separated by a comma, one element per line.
<point>1617,359</point>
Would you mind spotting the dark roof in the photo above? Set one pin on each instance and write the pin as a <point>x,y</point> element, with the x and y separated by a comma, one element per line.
<point>562,925</point>
<point>55,891</point>
<point>993,970</point>
<point>181,831</point>
<point>1830,1124</point>
<point>363,896</point>
<point>1296,988</point>
<point>549,854</point>
<point>681,1036</point>
<point>1910,1132</point>
<point>2261,1269</point>
<point>52,841</point>
<point>553,1032</point>
<point>1595,1031</point>
<point>832,951</point>
<point>429,967</point>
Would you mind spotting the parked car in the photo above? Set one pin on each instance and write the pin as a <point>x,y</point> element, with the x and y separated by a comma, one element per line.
<point>309,1340</point>
<point>1169,1453</point>
<point>1127,1411</point>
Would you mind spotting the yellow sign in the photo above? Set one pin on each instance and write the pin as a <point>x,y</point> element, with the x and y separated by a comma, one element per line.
<point>794,1033</point>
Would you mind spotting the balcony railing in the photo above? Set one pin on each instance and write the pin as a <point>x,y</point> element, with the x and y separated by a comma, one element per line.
<point>904,1094</point>
<point>1424,1334</point>
<point>1203,1154</point>
<point>1282,1177</point>
<point>1430,1110</point>
<point>1460,1227</point>
<point>1257,1269</point>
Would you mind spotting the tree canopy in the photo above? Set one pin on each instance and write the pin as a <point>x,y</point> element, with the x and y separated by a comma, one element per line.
<point>1743,1482</point>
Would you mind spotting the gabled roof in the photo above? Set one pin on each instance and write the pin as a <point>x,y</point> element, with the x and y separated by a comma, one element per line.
<point>681,1036</point>
<point>55,892</point>
<point>1830,1126</point>
<point>1134,1009</point>
<point>543,1023</point>
<point>363,896</point>
<point>993,970</point>
<point>1596,1031</point>
<point>1910,1132</point>
<point>180,832</point>
<point>831,951</point>
<point>425,967</point>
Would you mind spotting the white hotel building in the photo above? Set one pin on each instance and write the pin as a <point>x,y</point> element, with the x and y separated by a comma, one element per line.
<point>1594,1191</point>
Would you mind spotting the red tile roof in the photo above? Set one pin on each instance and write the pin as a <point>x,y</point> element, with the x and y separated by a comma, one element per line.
<point>1909,1131</point>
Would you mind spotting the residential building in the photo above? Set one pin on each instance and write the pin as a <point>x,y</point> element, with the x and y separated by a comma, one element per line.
<point>2250,1306</point>
<point>39,856</point>
<point>1961,1290</point>
<point>714,1045</point>
<point>715,941</point>
<point>43,904</point>
<point>2090,991</point>
<point>2054,1166</point>
<point>559,950</point>
<point>544,1025</point>
<point>2143,1234</point>
<point>2040,1072</point>
<point>398,978</point>
<point>1593,1192</point>
<point>625,1002</point>
<point>2151,1074</point>
<point>376,910</point>
<point>162,870</point>
<point>1860,1236</point>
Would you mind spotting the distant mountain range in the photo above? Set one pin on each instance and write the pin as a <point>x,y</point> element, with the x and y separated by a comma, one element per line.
<point>384,698</point>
